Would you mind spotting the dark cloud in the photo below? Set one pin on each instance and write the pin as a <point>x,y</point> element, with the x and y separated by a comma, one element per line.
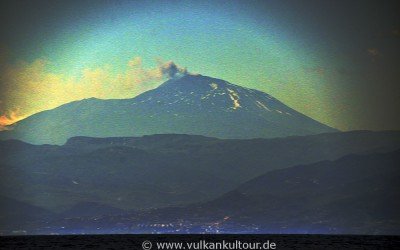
<point>171,70</point>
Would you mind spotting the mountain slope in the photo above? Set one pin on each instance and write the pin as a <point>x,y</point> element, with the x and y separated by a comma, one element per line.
<point>14,213</point>
<point>357,194</point>
<point>192,104</point>
<point>162,170</point>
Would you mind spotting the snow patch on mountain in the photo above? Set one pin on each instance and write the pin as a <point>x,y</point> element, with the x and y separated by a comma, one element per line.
<point>262,105</point>
<point>235,99</point>
<point>214,86</point>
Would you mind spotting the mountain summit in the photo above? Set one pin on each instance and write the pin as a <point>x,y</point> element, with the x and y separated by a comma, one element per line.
<point>188,104</point>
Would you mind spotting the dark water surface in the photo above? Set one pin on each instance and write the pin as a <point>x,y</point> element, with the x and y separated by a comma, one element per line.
<point>136,241</point>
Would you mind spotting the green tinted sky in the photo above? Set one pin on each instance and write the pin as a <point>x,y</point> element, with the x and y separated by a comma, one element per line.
<point>336,62</point>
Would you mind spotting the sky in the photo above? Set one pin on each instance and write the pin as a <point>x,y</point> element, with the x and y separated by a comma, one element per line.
<point>335,61</point>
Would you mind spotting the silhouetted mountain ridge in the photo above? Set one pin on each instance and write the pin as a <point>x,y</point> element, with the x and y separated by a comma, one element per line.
<point>356,194</point>
<point>162,170</point>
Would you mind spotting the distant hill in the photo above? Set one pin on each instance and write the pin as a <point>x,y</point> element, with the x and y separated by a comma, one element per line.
<point>192,104</point>
<point>15,215</point>
<point>90,209</point>
<point>357,194</point>
<point>161,170</point>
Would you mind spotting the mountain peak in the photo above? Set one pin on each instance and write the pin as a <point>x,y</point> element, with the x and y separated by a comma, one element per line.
<point>185,104</point>
<point>189,79</point>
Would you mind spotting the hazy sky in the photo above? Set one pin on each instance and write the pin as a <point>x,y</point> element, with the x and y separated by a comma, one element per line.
<point>335,61</point>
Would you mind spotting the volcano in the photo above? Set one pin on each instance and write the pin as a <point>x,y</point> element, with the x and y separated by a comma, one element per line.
<point>189,104</point>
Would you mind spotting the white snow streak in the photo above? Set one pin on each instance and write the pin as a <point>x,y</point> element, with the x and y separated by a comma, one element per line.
<point>262,105</point>
<point>214,86</point>
<point>235,98</point>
